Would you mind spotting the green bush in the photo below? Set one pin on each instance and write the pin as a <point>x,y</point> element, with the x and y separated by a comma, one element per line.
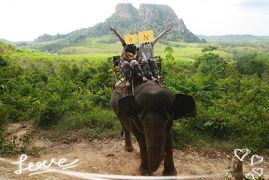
<point>211,64</point>
<point>231,108</point>
<point>209,48</point>
<point>247,64</point>
<point>4,113</point>
<point>60,94</point>
<point>6,146</point>
<point>3,62</point>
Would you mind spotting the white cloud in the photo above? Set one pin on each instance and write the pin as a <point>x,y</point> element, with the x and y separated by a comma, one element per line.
<point>28,19</point>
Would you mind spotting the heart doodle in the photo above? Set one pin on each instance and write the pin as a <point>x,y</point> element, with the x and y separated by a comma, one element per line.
<point>258,171</point>
<point>241,152</point>
<point>256,159</point>
<point>250,176</point>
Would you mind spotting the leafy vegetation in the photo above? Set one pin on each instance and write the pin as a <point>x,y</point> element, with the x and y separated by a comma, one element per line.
<point>61,93</point>
<point>233,106</point>
<point>247,64</point>
<point>209,48</point>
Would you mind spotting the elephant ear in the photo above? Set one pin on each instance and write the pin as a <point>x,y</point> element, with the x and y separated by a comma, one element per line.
<point>183,106</point>
<point>127,106</point>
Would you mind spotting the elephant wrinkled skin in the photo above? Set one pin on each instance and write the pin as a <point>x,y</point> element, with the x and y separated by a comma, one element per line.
<point>149,115</point>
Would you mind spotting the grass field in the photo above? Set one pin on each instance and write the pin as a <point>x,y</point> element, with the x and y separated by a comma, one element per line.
<point>101,51</point>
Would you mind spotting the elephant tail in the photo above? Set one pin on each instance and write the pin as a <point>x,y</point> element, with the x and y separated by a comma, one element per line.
<point>122,132</point>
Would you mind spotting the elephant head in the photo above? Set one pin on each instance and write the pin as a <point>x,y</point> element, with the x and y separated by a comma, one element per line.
<point>155,119</point>
<point>181,106</point>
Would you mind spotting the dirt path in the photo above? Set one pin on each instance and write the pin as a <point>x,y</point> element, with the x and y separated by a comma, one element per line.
<point>108,156</point>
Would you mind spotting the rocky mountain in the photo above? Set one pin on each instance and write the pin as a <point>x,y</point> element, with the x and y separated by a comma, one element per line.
<point>127,19</point>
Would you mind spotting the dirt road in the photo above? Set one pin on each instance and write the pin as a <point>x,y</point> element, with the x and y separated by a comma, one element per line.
<point>108,156</point>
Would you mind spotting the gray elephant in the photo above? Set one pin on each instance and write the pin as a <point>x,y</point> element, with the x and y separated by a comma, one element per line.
<point>149,115</point>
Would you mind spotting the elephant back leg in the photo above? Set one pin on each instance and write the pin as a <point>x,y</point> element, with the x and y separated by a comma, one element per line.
<point>124,120</point>
<point>128,141</point>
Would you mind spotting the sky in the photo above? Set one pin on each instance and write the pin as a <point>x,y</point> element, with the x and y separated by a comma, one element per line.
<point>25,20</point>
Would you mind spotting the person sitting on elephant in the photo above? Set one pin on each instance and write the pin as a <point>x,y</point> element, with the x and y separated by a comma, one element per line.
<point>128,60</point>
<point>148,64</point>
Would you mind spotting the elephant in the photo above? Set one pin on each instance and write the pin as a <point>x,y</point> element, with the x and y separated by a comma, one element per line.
<point>149,115</point>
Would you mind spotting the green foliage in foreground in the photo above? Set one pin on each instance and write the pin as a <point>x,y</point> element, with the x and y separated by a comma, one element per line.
<point>232,107</point>
<point>71,95</point>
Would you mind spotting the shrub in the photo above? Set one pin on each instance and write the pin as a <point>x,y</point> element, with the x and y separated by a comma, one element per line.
<point>209,48</point>
<point>247,64</point>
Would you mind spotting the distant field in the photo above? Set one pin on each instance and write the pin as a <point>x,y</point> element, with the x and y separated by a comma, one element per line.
<point>99,48</point>
<point>96,58</point>
<point>98,51</point>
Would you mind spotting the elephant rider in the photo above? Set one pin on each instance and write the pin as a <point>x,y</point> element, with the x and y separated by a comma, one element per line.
<point>128,60</point>
<point>148,64</point>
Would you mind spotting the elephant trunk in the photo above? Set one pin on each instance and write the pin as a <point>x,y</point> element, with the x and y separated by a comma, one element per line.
<point>155,149</point>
